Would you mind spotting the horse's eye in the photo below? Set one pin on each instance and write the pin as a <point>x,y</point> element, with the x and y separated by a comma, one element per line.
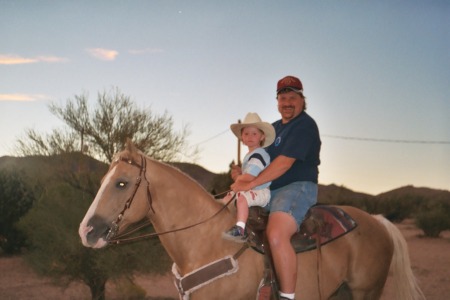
<point>121,184</point>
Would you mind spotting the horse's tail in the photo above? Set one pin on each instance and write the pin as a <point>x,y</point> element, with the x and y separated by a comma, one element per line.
<point>405,283</point>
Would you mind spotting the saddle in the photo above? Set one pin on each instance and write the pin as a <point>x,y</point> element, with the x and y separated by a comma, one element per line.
<point>322,224</point>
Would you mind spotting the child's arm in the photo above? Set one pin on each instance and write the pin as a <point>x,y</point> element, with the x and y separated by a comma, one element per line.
<point>246,177</point>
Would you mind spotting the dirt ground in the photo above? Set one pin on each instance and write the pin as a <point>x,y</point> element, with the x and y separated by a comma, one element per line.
<point>430,260</point>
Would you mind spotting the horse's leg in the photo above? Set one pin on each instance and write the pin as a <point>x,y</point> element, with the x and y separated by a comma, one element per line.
<point>342,293</point>
<point>322,275</point>
<point>371,253</point>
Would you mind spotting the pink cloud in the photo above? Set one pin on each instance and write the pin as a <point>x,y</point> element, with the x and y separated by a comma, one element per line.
<point>103,54</point>
<point>14,59</point>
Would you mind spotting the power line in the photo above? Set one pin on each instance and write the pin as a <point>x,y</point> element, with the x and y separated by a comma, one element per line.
<point>213,137</point>
<point>340,137</point>
<point>384,140</point>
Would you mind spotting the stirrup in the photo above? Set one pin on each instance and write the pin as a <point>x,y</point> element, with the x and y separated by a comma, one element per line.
<point>264,291</point>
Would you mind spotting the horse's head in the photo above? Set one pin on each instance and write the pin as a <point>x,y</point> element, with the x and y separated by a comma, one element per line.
<point>120,201</point>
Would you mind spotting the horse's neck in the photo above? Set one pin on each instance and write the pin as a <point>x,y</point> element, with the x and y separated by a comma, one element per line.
<point>179,202</point>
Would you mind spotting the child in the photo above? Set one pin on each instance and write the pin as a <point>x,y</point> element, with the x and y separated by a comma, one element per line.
<point>255,134</point>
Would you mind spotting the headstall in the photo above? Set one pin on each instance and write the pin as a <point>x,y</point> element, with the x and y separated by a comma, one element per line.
<point>111,236</point>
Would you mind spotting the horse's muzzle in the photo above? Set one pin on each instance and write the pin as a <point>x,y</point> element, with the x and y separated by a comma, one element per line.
<point>96,232</point>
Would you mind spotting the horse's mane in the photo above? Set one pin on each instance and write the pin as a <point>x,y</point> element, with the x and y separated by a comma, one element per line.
<point>132,153</point>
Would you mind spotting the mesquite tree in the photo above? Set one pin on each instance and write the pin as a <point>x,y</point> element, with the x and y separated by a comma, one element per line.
<point>102,131</point>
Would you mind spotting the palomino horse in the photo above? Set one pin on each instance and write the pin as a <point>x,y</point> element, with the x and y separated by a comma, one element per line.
<point>190,224</point>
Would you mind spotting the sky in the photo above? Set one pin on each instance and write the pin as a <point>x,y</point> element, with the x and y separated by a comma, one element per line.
<point>376,75</point>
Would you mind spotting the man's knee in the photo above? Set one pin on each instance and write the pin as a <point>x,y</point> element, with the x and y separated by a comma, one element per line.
<point>279,233</point>
<point>275,236</point>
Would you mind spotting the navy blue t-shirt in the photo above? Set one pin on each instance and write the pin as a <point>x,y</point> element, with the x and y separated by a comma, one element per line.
<point>299,139</point>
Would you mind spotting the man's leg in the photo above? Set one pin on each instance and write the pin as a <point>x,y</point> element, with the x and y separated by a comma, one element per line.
<point>280,229</point>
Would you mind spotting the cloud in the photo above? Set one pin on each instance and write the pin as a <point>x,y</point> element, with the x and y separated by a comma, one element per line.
<point>22,97</point>
<point>103,54</point>
<point>13,59</point>
<point>145,51</point>
<point>10,59</point>
<point>52,59</point>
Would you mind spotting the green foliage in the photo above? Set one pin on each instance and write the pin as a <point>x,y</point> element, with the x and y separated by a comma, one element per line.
<point>102,131</point>
<point>128,290</point>
<point>399,208</point>
<point>16,198</point>
<point>434,219</point>
<point>221,183</point>
<point>340,195</point>
<point>52,230</point>
<point>430,207</point>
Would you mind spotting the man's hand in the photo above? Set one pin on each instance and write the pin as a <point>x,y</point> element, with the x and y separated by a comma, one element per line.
<point>240,186</point>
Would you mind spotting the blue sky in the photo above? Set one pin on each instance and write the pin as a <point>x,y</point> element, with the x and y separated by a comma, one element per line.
<point>375,73</point>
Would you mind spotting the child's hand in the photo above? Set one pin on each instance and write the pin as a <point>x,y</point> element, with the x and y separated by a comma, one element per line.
<point>236,170</point>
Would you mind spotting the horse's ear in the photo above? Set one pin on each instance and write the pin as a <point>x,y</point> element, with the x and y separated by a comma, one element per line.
<point>130,146</point>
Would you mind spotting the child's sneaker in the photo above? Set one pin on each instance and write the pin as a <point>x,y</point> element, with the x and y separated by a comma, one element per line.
<point>236,234</point>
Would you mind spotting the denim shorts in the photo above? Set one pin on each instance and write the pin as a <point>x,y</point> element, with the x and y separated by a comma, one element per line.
<point>295,199</point>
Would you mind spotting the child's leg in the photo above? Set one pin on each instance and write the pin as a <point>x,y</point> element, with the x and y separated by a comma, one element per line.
<point>242,210</point>
<point>227,198</point>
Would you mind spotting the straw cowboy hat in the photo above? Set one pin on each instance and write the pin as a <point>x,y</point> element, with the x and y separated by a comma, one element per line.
<point>252,119</point>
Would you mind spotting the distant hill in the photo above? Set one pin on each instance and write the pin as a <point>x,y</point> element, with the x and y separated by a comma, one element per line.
<point>200,174</point>
<point>419,192</point>
<point>43,167</point>
<point>335,194</point>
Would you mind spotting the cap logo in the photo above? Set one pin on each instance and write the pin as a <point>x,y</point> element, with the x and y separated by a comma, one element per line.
<point>288,80</point>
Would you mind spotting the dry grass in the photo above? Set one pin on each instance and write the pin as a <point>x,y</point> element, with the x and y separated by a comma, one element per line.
<point>430,261</point>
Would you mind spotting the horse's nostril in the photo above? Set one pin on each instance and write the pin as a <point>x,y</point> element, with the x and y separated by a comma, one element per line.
<point>96,228</point>
<point>88,230</point>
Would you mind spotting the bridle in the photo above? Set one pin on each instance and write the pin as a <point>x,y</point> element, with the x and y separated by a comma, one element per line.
<point>187,283</point>
<point>113,238</point>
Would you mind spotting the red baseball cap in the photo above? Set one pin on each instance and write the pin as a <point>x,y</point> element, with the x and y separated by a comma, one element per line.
<point>290,82</point>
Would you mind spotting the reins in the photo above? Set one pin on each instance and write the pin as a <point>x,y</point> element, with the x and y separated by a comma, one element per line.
<point>122,238</point>
<point>142,172</point>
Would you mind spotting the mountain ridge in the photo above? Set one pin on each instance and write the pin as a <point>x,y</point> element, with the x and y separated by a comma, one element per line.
<point>327,193</point>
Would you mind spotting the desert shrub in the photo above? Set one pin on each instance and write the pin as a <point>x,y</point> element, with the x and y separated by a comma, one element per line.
<point>221,183</point>
<point>397,209</point>
<point>16,198</point>
<point>55,250</point>
<point>128,290</point>
<point>433,222</point>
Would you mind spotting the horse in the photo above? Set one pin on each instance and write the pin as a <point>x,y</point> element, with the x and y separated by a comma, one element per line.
<point>189,223</point>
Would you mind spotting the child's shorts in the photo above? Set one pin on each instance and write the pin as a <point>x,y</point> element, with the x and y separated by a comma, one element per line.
<point>256,197</point>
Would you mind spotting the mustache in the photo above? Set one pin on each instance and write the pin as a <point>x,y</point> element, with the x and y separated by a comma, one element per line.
<point>287,106</point>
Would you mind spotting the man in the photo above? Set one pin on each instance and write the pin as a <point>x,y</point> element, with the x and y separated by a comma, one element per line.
<point>294,175</point>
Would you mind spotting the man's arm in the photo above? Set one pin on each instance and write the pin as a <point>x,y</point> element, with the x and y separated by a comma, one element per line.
<point>275,169</point>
